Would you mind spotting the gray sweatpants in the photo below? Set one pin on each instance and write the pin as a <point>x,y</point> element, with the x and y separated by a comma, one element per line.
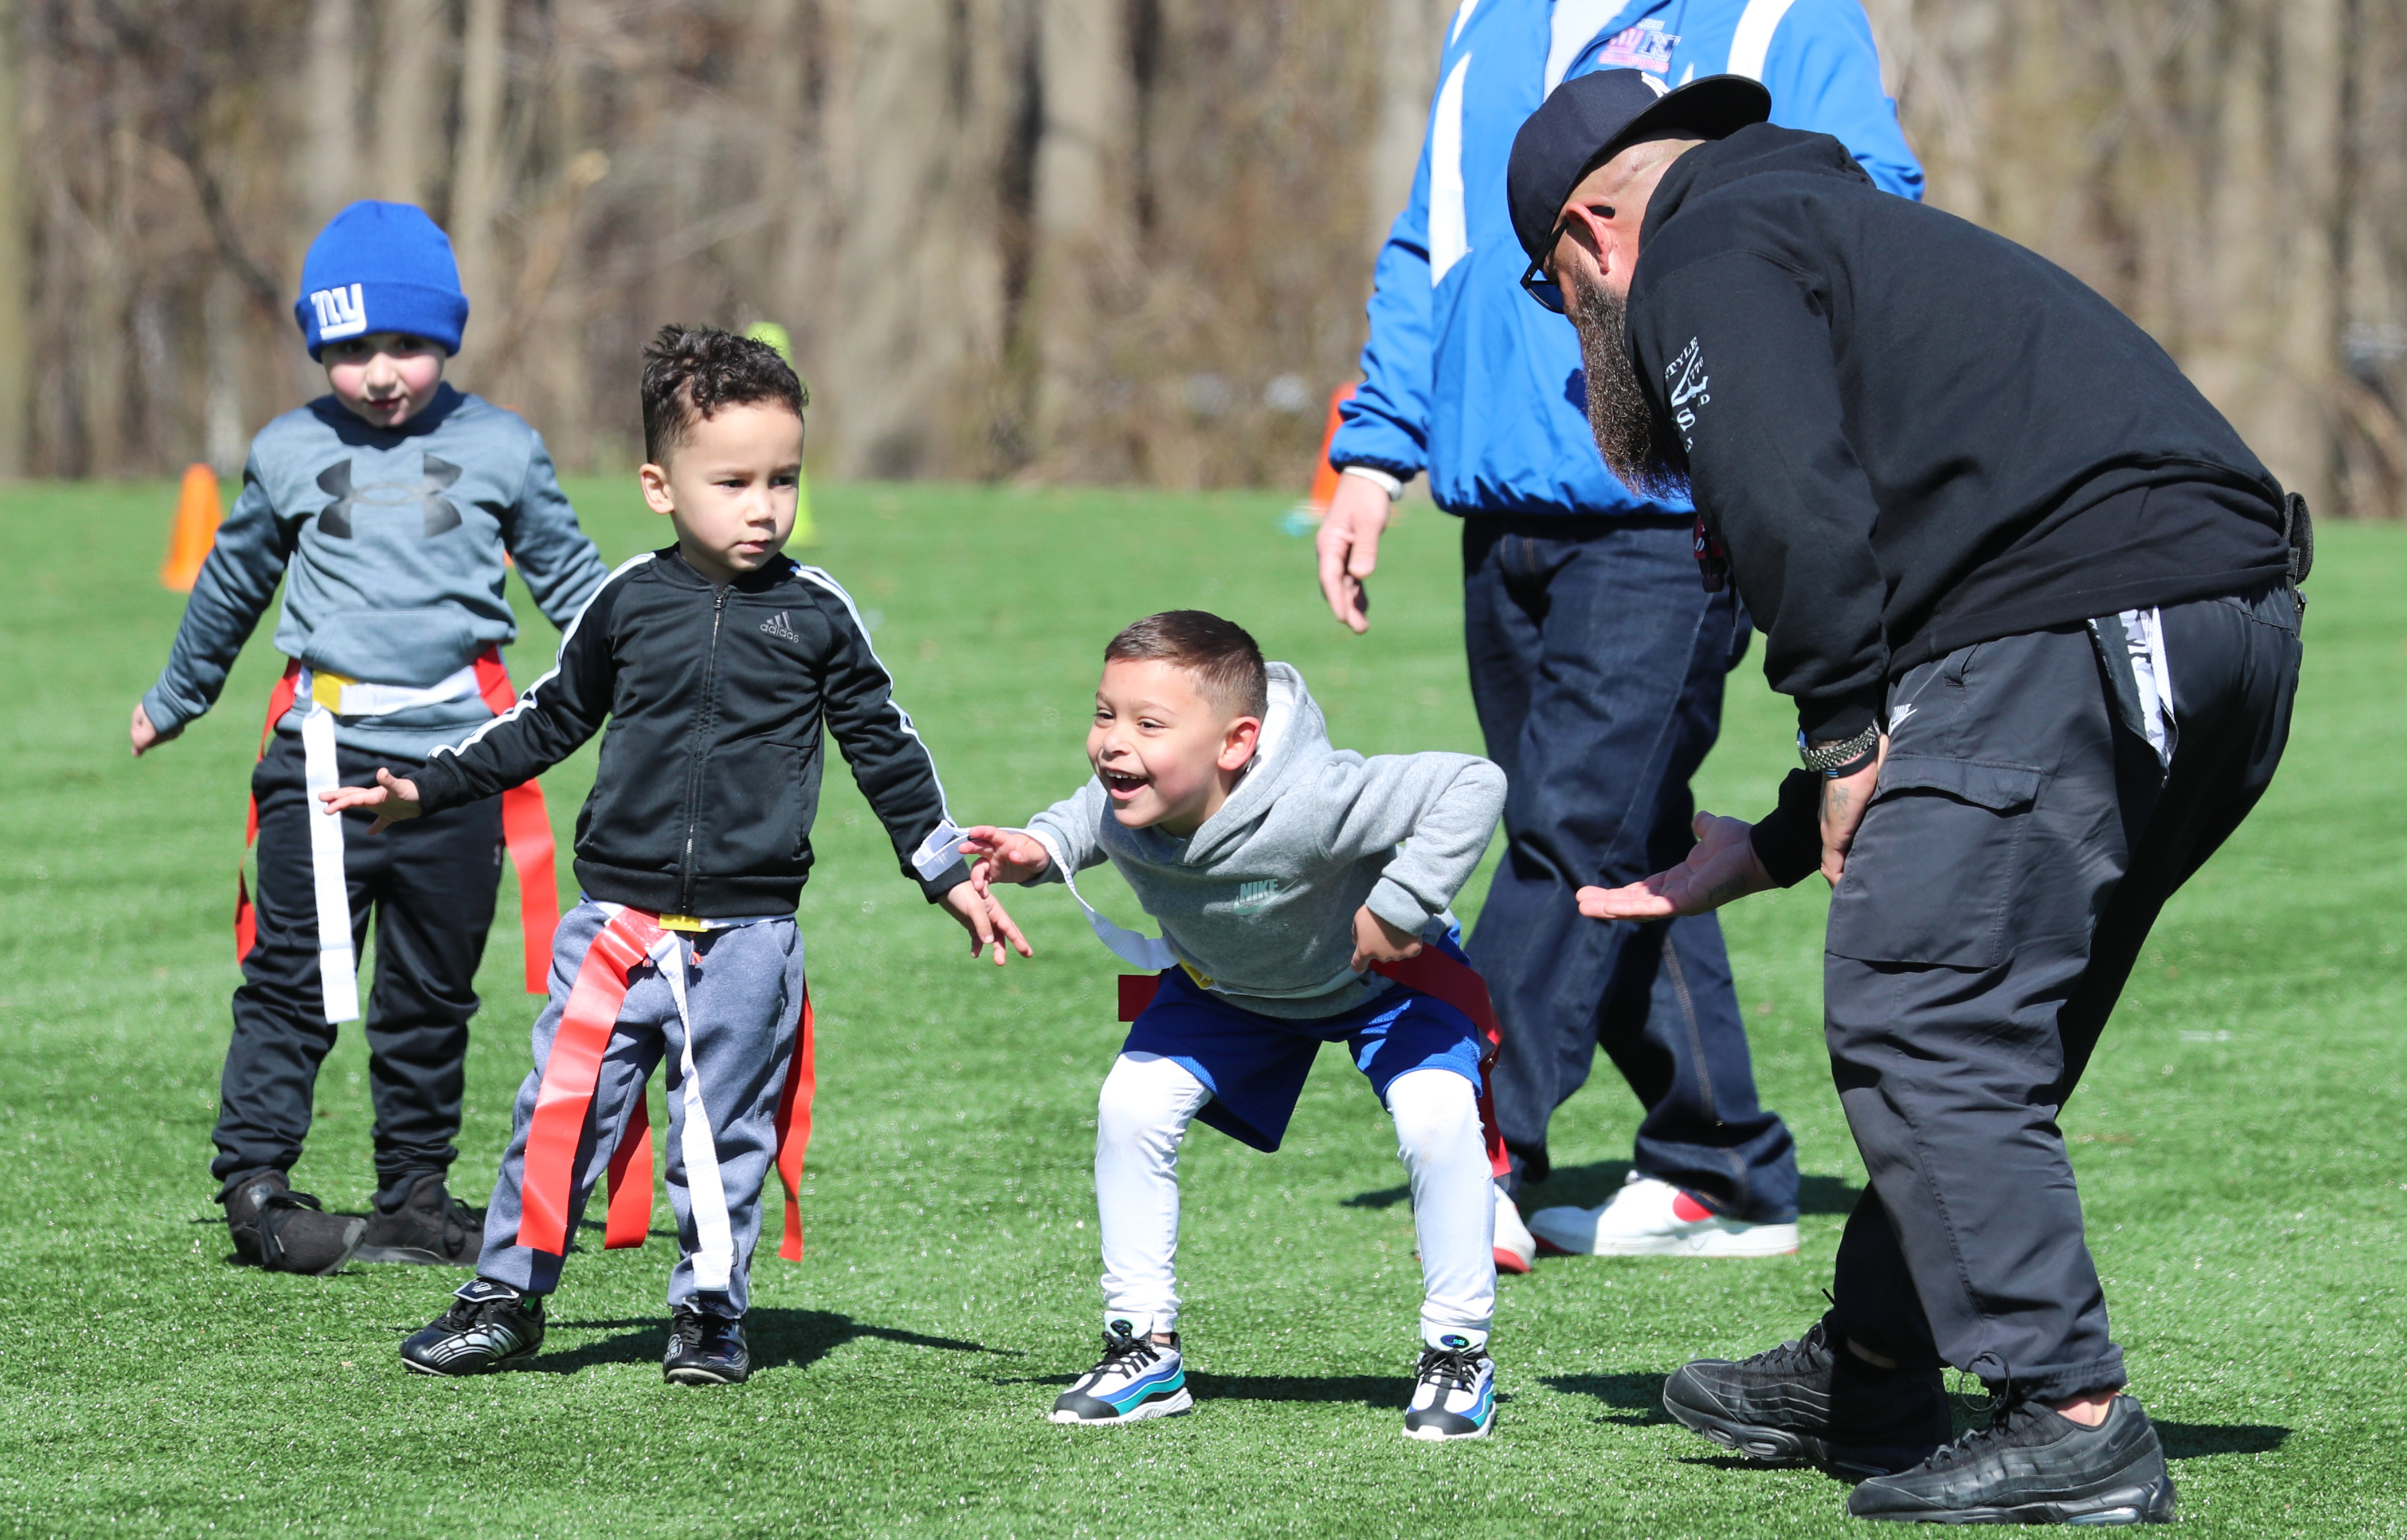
<point>744,994</point>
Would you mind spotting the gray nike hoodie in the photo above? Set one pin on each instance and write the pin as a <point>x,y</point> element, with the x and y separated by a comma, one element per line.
<point>1261,900</point>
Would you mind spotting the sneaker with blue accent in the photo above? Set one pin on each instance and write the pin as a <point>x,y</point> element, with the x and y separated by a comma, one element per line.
<point>1453,1395</point>
<point>1138,1377</point>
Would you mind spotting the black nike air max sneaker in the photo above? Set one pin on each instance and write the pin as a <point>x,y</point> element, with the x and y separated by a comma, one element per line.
<point>488,1325</point>
<point>1454,1392</point>
<point>2032,1466</point>
<point>706,1349</point>
<point>1813,1401</point>
<point>284,1231</point>
<point>1138,1378</point>
<point>430,1227</point>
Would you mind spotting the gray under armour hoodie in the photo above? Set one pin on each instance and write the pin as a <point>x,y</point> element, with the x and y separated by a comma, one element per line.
<point>390,544</point>
<point>1260,899</point>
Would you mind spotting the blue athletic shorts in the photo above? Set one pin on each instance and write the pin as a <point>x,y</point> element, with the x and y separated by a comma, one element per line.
<point>1254,1065</point>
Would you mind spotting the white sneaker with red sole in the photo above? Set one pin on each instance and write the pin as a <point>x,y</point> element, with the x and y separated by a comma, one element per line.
<point>1649,1218</point>
<point>1517,1250</point>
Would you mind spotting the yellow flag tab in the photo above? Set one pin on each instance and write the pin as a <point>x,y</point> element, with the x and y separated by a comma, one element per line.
<point>327,689</point>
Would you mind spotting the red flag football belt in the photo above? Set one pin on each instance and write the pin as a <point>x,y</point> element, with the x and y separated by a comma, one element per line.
<point>526,831</point>
<point>564,1101</point>
<point>1431,972</point>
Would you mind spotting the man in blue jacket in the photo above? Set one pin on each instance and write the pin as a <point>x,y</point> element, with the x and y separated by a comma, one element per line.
<point>1596,655</point>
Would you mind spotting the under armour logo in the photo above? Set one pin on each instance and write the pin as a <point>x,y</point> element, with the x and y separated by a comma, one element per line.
<point>341,312</point>
<point>780,627</point>
<point>334,519</point>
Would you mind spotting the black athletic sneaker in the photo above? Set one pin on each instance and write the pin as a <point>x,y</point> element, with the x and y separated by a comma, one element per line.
<point>1454,1392</point>
<point>1813,1401</point>
<point>287,1232</point>
<point>706,1349</point>
<point>1137,1380</point>
<point>2032,1466</point>
<point>430,1227</point>
<point>488,1324</point>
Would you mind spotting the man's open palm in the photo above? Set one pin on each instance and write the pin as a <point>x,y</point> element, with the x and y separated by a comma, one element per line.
<point>1720,866</point>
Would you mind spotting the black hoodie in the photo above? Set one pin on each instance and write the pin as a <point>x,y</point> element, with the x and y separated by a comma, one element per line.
<point>1912,434</point>
<point>718,698</point>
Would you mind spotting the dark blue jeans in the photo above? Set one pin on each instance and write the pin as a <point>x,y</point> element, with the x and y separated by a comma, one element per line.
<point>1597,661</point>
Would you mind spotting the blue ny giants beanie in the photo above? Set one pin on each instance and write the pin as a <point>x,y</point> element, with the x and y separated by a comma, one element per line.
<point>380,267</point>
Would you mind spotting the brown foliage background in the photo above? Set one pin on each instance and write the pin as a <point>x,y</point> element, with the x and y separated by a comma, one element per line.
<point>1117,240</point>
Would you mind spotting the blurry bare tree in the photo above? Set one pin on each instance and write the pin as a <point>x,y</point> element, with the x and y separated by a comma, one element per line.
<point>2226,171</point>
<point>1070,239</point>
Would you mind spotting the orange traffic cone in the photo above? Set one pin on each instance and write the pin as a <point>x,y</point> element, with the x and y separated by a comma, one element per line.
<point>196,530</point>
<point>1306,516</point>
<point>1324,475</point>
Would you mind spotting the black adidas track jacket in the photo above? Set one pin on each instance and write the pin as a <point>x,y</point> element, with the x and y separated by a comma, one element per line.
<point>710,777</point>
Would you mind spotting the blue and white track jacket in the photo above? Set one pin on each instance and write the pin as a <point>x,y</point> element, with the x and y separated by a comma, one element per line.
<point>1465,376</point>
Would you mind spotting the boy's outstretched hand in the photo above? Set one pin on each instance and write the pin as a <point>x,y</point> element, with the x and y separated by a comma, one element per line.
<point>392,798</point>
<point>1002,856</point>
<point>983,917</point>
<point>1377,941</point>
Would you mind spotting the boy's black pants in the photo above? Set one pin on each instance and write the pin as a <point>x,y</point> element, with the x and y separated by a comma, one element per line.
<point>2020,844</point>
<point>430,884</point>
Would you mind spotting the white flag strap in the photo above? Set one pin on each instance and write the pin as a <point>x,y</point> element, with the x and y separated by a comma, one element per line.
<point>338,974</point>
<point>714,1262</point>
<point>1150,953</point>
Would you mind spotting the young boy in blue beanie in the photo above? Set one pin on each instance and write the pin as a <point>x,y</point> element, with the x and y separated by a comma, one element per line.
<point>387,507</point>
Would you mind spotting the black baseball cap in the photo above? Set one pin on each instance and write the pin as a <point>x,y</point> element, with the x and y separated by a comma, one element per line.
<point>1588,120</point>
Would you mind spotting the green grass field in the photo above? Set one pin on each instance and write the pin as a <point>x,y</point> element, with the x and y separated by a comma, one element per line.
<point>2241,1139</point>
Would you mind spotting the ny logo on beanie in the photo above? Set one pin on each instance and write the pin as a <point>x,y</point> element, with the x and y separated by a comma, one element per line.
<point>334,519</point>
<point>341,312</point>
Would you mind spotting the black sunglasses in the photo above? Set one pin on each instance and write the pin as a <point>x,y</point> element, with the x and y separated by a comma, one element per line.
<point>1535,281</point>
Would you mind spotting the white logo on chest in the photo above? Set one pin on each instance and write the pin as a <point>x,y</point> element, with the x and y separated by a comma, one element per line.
<point>1253,897</point>
<point>1686,379</point>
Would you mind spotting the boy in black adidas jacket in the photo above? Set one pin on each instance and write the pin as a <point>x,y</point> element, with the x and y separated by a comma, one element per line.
<point>717,660</point>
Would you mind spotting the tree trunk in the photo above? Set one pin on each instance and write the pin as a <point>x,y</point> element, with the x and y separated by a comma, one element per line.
<point>1083,214</point>
<point>1410,33</point>
<point>477,170</point>
<point>15,275</point>
<point>2301,451</point>
<point>332,84</point>
<point>409,107</point>
<point>917,307</point>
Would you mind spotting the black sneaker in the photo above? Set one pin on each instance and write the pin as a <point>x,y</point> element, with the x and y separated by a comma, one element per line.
<point>488,1325</point>
<point>1808,1400</point>
<point>1454,1392</point>
<point>706,1349</point>
<point>287,1232</point>
<point>2032,1466</point>
<point>430,1227</point>
<point>1138,1378</point>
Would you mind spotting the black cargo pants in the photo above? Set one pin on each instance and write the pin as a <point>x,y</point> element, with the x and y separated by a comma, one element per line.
<point>429,883</point>
<point>2023,837</point>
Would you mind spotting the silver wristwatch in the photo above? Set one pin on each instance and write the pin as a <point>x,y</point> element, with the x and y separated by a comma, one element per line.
<point>1835,759</point>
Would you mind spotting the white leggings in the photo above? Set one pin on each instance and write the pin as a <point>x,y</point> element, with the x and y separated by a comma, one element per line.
<point>1148,1101</point>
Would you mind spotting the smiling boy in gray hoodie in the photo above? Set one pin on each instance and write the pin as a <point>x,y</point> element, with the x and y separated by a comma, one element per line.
<point>1286,875</point>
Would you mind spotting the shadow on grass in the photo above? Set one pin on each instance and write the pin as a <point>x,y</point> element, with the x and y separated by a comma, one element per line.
<point>1638,1393</point>
<point>779,1339</point>
<point>2196,1440</point>
<point>1587,1186</point>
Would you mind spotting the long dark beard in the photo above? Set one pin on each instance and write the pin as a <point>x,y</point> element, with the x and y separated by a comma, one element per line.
<point>1628,432</point>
